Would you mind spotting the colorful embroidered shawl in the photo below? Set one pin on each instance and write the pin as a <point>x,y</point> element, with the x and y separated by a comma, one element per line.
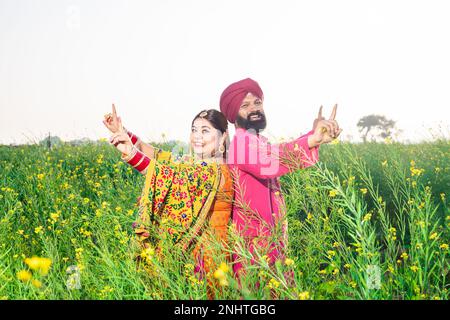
<point>176,199</point>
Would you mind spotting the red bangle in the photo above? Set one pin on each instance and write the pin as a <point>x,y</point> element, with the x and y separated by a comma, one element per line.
<point>139,161</point>
<point>136,158</point>
<point>144,164</point>
<point>133,137</point>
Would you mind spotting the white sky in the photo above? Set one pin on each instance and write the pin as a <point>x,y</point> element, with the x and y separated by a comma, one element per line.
<point>62,63</point>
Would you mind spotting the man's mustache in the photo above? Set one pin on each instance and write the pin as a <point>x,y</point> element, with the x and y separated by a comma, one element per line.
<point>255,113</point>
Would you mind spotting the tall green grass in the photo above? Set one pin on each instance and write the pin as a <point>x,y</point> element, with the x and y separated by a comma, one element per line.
<point>370,221</point>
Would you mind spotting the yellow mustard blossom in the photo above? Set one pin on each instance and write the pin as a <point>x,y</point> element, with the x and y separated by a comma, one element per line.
<point>38,230</point>
<point>273,284</point>
<point>392,234</point>
<point>24,275</point>
<point>289,262</point>
<point>414,268</point>
<point>444,246</point>
<point>363,190</point>
<point>434,235</point>
<point>332,193</point>
<point>303,295</point>
<point>223,282</point>
<point>391,269</point>
<point>367,217</point>
<point>404,256</point>
<point>221,274</point>
<point>39,264</point>
<point>36,283</point>
<point>421,223</point>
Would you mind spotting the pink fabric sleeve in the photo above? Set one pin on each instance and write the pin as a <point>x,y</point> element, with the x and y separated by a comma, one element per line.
<point>275,160</point>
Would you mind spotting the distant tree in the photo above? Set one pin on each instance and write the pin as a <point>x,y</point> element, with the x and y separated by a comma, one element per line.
<point>383,126</point>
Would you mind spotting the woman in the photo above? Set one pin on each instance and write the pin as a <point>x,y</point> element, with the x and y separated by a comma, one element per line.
<point>190,201</point>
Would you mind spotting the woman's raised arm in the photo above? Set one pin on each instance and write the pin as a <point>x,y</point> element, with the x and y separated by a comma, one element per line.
<point>114,124</point>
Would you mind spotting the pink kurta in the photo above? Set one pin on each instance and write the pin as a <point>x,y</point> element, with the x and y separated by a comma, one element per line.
<point>259,204</point>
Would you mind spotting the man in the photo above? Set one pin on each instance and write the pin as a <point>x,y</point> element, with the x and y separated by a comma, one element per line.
<point>257,165</point>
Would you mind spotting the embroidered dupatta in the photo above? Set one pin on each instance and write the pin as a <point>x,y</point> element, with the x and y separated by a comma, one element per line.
<point>176,199</point>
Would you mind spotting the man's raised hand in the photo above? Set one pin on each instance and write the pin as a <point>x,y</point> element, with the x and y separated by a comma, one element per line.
<point>326,131</point>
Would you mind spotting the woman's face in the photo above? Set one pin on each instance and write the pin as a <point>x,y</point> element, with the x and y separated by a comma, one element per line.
<point>205,139</point>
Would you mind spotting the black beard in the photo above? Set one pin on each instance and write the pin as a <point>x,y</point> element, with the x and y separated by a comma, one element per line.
<point>247,124</point>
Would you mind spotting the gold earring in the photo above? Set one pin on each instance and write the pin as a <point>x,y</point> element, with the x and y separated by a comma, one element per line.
<point>221,148</point>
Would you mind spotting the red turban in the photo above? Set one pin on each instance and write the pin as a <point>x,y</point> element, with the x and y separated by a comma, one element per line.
<point>232,96</point>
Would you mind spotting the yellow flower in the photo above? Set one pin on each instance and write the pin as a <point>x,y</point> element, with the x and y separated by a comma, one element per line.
<point>273,283</point>
<point>335,141</point>
<point>444,246</point>
<point>223,282</point>
<point>363,190</point>
<point>421,223</point>
<point>309,216</point>
<point>332,193</point>
<point>414,268</point>
<point>39,264</point>
<point>303,295</point>
<point>353,284</point>
<point>391,269</point>
<point>384,163</point>
<point>331,253</point>
<point>24,275</point>
<point>289,262</point>
<point>55,216</point>
<point>221,272</point>
<point>434,236</point>
<point>38,230</point>
<point>367,217</point>
<point>404,256</point>
<point>36,283</point>
<point>40,176</point>
<point>347,266</point>
<point>224,267</point>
